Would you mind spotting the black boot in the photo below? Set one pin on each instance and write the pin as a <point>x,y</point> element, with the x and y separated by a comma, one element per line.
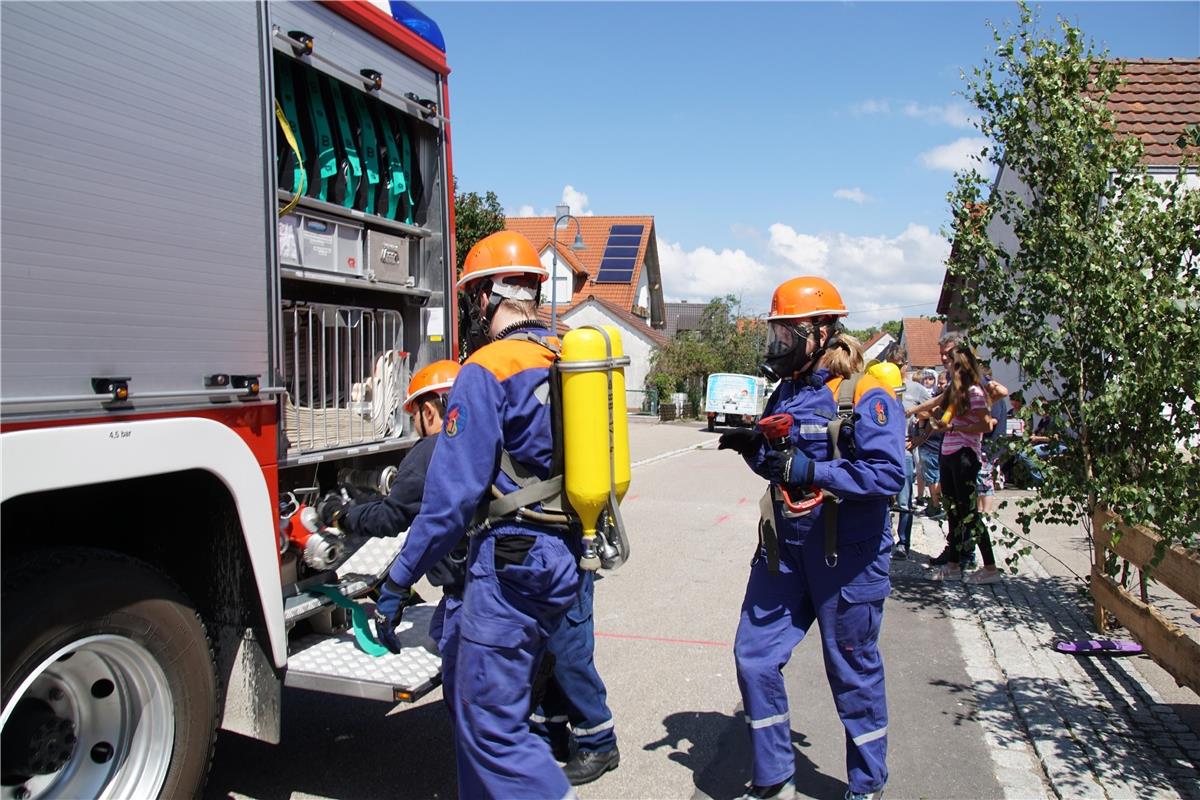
<point>587,765</point>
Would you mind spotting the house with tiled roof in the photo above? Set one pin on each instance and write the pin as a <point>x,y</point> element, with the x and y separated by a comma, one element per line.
<point>1156,100</point>
<point>919,337</point>
<point>682,316</point>
<point>638,339</point>
<point>619,263</point>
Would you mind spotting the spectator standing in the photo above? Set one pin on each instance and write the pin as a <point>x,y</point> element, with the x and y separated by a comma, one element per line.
<point>965,419</point>
<point>914,395</point>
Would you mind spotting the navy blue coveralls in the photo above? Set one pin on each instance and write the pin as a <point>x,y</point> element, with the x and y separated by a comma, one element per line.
<point>845,599</point>
<point>522,577</point>
<point>575,694</point>
<point>388,516</point>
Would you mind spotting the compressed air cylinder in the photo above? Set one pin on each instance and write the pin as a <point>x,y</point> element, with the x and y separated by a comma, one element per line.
<point>620,419</point>
<point>587,475</point>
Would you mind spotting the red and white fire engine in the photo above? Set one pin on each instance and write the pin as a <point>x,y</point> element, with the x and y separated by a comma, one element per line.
<point>227,243</point>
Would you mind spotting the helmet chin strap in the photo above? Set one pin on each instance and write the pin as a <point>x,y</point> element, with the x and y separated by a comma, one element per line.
<point>479,321</point>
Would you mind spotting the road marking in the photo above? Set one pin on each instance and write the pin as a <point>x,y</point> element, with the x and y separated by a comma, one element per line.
<point>723,518</point>
<point>673,453</point>
<point>663,639</point>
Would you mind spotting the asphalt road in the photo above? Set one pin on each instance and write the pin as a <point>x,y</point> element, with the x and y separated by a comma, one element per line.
<point>665,624</point>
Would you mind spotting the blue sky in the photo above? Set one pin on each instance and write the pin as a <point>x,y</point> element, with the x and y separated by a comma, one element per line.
<point>767,139</point>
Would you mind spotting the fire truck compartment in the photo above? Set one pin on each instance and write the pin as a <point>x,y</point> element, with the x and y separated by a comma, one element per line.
<point>345,373</point>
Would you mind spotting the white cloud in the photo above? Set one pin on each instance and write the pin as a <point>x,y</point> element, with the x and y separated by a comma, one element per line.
<point>958,155</point>
<point>874,274</point>
<point>872,106</point>
<point>525,211</point>
<point>577,200</point>
<point>956,115</point>
<point>700,275</point>
<point>854,195</point>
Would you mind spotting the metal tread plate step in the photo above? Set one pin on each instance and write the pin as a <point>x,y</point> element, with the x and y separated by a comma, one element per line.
<point>334,663</point>
<point>366,566</point>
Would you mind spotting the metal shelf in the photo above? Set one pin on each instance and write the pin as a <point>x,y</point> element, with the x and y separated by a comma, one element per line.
<point>366,448</point>
<point>352,282</point>
<point>372,220</point>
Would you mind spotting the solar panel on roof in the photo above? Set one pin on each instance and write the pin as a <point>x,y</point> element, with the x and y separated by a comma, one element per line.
<point>620,254</point>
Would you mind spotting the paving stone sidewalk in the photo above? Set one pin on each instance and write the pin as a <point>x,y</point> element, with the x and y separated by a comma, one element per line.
<point>1057,725</point>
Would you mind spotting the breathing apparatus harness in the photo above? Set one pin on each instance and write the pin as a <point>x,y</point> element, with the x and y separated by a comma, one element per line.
<point>556,512</point>
<point>840,431</point>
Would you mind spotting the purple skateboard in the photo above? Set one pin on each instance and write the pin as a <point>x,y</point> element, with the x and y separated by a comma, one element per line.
<point>1099,647</point>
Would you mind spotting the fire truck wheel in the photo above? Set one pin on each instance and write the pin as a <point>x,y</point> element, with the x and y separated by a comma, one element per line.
<point>109,684</point>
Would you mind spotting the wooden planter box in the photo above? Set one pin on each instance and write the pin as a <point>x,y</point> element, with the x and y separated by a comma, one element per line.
<point>666,412</point>
<point>1179,570</point>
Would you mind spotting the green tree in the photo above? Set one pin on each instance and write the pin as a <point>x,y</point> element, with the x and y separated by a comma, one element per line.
<point>892,326</point>
<point>1099,301</point>
<point>724,341</point>
<point>474,218</point>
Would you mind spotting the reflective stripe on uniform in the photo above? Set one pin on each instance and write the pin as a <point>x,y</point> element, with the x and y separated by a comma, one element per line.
<point>870,737</point>
<point>540,720</point>
<point>813,428</point>
<point>603,726</point>
<point>767,722</point>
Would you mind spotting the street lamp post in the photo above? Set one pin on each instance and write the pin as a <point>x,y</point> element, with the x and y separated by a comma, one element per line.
<point>561,213</point>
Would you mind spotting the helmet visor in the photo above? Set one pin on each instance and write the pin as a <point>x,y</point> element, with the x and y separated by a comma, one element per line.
<point>782,338</point>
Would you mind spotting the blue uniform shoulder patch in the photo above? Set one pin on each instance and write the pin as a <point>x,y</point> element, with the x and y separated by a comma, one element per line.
<point>456,421</point>
<point>879,412</point>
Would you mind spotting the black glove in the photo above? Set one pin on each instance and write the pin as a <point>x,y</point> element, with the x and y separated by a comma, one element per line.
<point>790,467</point>
<point>743,441</point>
<point>332,508</point>
<point>389,610</point>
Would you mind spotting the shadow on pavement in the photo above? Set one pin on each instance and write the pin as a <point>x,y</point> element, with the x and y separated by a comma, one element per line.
<point>718,755</point>
<point>340,747</point>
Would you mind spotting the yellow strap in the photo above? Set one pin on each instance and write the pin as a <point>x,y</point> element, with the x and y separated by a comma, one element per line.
<point>291,138</point>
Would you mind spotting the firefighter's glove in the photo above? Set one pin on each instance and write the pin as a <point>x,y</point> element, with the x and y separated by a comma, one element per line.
<point>743,441</point>
<point>789,467</point>
<point>389,610</point>
<point>332,509</point>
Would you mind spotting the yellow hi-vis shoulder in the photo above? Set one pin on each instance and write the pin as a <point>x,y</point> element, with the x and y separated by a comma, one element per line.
<point>596,468</point>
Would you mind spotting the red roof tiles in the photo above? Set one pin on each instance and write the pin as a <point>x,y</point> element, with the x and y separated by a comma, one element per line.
<point>920,338</point>
<point>1155,101</point>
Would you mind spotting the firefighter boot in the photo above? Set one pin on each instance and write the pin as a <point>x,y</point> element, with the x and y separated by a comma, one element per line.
<point>588,765</point>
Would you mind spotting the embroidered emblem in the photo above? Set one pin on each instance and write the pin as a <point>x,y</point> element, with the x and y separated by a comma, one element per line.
<point>456,420</point>
<point>879,411</point>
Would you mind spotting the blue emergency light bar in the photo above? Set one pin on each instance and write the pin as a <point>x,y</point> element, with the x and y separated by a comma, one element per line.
<point>408,16</point>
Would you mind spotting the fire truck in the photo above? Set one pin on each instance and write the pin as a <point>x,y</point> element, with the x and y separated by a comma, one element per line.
<point>227,244</point>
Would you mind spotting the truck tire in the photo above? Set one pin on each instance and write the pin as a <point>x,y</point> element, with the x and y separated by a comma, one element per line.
<point>109,685</point>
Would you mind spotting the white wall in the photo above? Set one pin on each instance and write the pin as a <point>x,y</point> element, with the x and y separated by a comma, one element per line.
<point>643,291</point>
<point>637,348</point>
<point>563,274</point>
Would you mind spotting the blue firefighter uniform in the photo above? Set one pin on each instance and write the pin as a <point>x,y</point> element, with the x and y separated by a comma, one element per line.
<point>575,694</point>
<point>846,599</point>
<point>388,516</point>
<point>522,577</point>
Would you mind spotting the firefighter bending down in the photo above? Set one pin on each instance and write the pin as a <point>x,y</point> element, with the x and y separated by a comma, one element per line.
<point>522,574</point>
<point>817,566</point>
<point>426,402</point>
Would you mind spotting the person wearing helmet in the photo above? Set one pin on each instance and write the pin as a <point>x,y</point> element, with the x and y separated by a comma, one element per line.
<point>829,565</point>
<point>523,573</point>
<point>426,403</point>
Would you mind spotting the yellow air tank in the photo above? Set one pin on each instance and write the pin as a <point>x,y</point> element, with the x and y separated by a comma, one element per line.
<point>620,418</point>
<point>590,380</point>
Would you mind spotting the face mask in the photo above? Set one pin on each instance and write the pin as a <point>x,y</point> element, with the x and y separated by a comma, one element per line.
<point>786,349</point>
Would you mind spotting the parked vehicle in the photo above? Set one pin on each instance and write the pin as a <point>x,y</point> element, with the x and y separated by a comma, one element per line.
<point>227,244</point>
<point>738,399</point>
